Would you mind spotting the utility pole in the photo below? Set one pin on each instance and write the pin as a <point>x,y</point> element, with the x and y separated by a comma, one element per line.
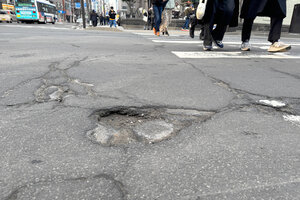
<point>82,13</point>
<point>64,10</point>
<point>73,9</point>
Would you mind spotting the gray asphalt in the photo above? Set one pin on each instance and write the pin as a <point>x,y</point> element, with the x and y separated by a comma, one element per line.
<point>91,114</point>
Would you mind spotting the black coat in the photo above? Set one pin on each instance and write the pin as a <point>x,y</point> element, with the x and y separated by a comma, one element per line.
<point>209,11</point>
<point>94,16</point>
<point>267,8</point>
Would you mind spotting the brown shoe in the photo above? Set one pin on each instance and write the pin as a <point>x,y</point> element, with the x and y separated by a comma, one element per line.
<point>154,30</point>
<point>157,33</point>
<point>279,47</point>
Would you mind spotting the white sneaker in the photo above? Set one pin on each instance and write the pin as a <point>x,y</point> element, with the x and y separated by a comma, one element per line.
<point>245,46</point>
<point>279,47</point>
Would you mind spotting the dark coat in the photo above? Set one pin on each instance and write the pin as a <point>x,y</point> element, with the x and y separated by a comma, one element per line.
<point>94,16</point>
<point>157,2</point>
<point>210,10</point>
<point>267,8</point>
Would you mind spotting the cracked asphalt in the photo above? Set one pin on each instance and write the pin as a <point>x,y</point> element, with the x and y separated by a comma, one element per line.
<point>215,128</point>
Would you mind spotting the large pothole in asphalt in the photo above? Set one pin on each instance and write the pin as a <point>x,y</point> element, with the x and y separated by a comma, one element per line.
<point>123,125</point>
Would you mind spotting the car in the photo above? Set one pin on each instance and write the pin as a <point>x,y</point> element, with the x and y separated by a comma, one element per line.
<point>8,16</point>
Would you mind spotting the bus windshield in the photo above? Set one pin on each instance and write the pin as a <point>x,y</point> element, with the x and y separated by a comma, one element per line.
<point>26,3</point>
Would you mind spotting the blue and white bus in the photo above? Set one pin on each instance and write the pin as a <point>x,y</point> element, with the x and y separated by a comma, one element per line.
<point>41,11</point>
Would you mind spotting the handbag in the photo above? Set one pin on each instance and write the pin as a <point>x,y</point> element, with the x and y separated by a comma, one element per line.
<point>201,9</point>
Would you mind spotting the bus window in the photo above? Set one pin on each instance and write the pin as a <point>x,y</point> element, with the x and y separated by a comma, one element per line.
<point>26,3</point>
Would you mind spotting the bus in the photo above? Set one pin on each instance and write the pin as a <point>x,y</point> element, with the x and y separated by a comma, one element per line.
<point>40,11</point>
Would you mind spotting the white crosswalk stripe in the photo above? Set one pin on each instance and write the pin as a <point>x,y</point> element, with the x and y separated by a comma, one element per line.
<point>200,42</point>
<point>201,54</point>
<point>255,53</point>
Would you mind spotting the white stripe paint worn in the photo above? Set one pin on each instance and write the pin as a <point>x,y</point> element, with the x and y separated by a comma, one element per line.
<point>273,103</point>
<point>211,54</point>
<point>178,41</point>
<point>293,119</point>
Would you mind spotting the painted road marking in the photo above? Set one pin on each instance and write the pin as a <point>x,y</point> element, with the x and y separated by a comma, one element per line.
<point>41,27</point>
<point>152,34</point>
<point>200,42</point>
<point>178,41</point>
<point>206,54</point>
<point>293,119</point>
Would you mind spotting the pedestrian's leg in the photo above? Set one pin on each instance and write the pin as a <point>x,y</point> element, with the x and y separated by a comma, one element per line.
<point>274,36</point>
<point>275,31</point>
<point>201,36</point>
<point>223,17</point>
<point>246,30</point>
<point>246,34</point>
<point>185,22</point>
<point>160,13</point>
<point>193,25</point>
<point>156,17</point>
<point>115,24</point>
<point>207,42</point>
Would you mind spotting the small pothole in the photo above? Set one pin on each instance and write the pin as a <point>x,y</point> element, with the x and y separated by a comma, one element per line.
<point>123,125</point>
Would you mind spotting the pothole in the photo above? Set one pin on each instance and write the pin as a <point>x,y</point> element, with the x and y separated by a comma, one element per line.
<point>51,93</point>
<point>124,125</point>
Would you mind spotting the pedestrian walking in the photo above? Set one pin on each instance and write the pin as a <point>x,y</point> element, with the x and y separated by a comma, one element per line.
<point>101,18</point>
<point>151,21</point>
<point>107,20</point>
<point>276,10</point>
<point>158,7</point>
<point>145,19</point>
<point>166,17</point>
<point>218,15</point>
<point>94,18</point>
<point>112,17</point>
<point>189,10</point>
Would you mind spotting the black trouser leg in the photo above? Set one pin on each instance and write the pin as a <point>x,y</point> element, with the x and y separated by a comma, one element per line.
<point>275,31</point>
<point>207,35</point>
<point>219,32</point>
<point>223,17</point>
<point>201,36</point>
<point>193,25</point>
<point>247,28</point>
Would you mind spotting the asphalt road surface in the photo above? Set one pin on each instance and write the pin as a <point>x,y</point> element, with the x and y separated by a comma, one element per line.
<point>91,114</point>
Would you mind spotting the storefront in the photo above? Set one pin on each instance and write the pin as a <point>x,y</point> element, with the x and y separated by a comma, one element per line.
<point>7,7</point>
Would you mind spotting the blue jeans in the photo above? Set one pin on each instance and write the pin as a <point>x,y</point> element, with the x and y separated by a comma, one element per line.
<point>157,14</point>
<point>186,23</point>
<point>112,22</point>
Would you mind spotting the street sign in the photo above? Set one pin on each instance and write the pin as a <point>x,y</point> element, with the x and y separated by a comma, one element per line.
<point>61,11</point>
<point>77,5</point>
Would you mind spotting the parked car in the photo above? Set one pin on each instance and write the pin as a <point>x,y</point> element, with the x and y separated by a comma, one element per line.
<point>8,16</point>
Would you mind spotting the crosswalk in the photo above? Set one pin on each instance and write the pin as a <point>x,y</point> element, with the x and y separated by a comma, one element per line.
<point>231,50</point>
